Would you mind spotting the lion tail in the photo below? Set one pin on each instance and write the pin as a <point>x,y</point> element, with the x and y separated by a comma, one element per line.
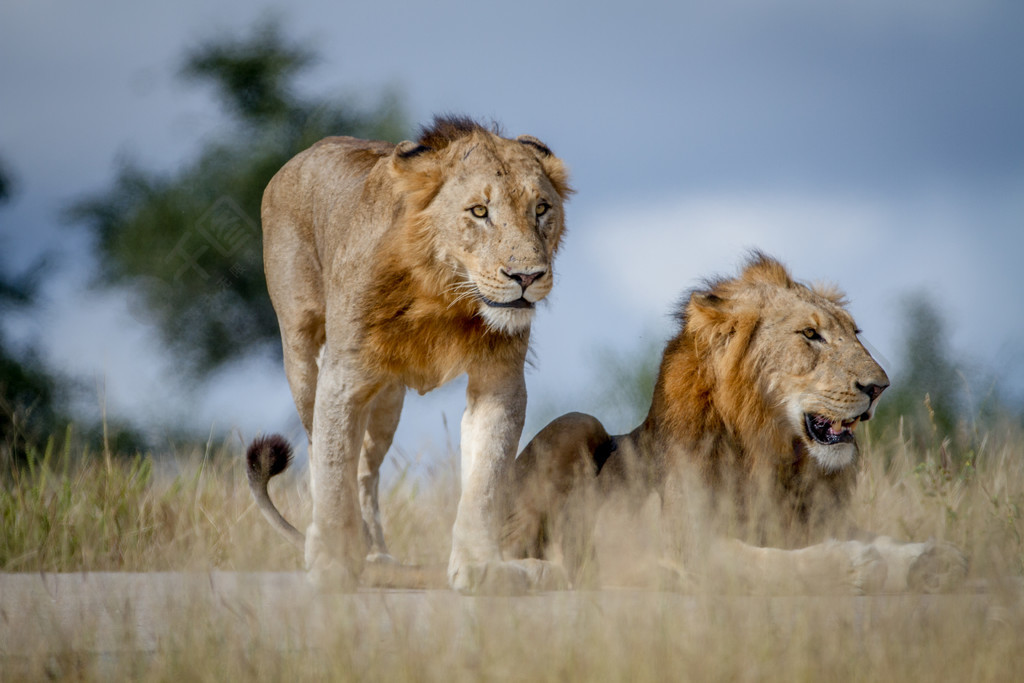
<point>267,457</point>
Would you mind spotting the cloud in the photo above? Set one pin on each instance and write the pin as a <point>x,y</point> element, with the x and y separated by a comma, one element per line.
<point>877,249</point>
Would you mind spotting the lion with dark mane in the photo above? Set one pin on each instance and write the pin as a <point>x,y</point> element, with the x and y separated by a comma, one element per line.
<point>404,266</point>
<point>750,443</point>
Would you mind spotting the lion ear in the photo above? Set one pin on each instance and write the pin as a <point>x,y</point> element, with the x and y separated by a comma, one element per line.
<point>416,172</point>
<point>543,149</point>
<point>554,168</point>
<point>706,313</point>
<point>407,149</point>
<point>708,305</point>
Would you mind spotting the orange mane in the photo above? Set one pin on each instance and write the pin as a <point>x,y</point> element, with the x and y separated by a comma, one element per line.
<point>712,404</point>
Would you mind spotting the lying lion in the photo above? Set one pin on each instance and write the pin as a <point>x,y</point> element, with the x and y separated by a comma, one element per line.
<point>750,443</point>
<point>405,266</point>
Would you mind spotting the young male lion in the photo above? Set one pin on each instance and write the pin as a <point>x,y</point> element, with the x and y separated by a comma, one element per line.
<point>750,437</point>
<point>405,266</point>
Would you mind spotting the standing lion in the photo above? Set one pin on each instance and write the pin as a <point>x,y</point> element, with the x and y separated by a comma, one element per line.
<point>750,445</point>
<point>405,266</point>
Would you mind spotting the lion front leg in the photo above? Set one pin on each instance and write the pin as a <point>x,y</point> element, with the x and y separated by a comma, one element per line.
<point>553,503</point>
<point>832,566</point>
<point>335,548</point>
<point>491,426</point>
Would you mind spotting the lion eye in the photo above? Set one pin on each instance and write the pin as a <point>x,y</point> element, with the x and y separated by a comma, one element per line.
<point>480,211</point>
<point>811,334</point>
<point>542,208</point>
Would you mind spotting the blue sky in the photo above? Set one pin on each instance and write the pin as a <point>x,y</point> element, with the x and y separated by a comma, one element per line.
<point>876,144</point>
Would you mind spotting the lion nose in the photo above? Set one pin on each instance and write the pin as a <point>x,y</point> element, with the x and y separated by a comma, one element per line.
<point>872,390</point>
<point>525,279</point>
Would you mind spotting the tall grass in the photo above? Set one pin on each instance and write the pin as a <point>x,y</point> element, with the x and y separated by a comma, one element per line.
<point>968,490</point>
<point>68,511</point>
<point>74,511</point>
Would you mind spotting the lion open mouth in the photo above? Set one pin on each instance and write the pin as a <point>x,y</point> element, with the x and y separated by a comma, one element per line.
<point>829,432</point>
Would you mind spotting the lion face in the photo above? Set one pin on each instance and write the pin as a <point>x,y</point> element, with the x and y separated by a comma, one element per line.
<point>494,221</point>
<point>788,366</point>
<point>827,381</point>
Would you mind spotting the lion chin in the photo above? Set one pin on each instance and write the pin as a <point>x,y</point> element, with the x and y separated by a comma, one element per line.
<point>831,442</point>
<point>509,308</point>
<point>507,319</point>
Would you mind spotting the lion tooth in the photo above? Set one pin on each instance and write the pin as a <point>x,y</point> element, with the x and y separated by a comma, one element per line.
<point>837,426</point>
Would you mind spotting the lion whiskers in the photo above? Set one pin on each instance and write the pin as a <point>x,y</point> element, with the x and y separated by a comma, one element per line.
<point>461,290</point>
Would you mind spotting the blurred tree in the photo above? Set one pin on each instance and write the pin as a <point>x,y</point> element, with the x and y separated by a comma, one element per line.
<point>5,184</point>
<point>188,243</point>
<point>252,76</point>
<point>27,413</point>
<point>27,407</point>
<point>928,392</point>
<point>625,383</point>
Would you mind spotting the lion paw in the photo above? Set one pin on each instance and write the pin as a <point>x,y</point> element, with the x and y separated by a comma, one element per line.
<point>938,568</point>
<point>508,578</point>
<point>332,577</point>
<point>544,576</point>
<point>671,576</point>
<point>867,568</point>
<point>329,570</point>
<point>864,568</point>
<point>382,560</point>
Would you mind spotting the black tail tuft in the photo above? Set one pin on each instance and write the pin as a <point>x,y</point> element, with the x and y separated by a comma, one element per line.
<point>268,456</point>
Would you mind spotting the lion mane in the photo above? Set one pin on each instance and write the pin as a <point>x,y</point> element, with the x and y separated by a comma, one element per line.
<point>747,348</point>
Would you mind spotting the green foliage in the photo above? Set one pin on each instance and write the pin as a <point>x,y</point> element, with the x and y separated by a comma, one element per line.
<point>5,184</point>
<point>931,403</point>
<point>32,396</point>
<point>188,242</point>
<point>27,404</point>
<point>928,392</point>
<point>253,75</point>
<point>28,413</point>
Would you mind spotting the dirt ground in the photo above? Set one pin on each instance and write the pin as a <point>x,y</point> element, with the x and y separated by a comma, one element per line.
<point>59,625</point>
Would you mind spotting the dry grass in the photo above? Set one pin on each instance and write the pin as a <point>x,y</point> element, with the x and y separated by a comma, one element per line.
<point>187,511</point>
<point>191,511</point>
